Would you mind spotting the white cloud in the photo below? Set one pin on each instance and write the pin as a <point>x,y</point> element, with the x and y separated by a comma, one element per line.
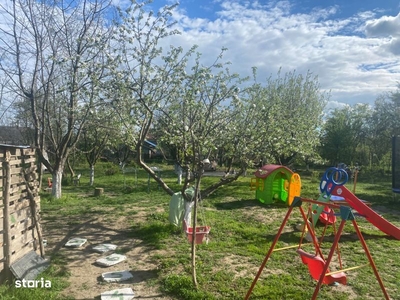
<point>356,58</point>
<point>332,105</point>
<point>272,37</point>
<point>384,26</point>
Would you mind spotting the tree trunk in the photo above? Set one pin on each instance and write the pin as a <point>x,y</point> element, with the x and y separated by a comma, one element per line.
<point>71,170</point>
<point>56,182</point>
<point>91,180</point>
<point>194,275</point>
<point>196,200</point>
<point>98,192</point>
<point>40,175</point>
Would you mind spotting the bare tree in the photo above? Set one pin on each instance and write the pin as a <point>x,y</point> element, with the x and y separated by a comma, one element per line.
<point>55,58</point>
<point>99,129</point>
<point>6,103</point>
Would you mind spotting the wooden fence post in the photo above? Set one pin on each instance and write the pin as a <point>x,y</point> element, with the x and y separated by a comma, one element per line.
<point>32,191</point>
<point>6,215</point>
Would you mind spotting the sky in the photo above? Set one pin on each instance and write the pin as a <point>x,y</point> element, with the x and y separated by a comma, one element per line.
<point>353,46</point>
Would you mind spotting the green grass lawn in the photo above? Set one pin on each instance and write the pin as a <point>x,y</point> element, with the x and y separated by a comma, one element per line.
<point>241,234</point>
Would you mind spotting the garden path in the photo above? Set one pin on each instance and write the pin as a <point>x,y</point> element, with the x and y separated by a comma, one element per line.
<point>85,276</point>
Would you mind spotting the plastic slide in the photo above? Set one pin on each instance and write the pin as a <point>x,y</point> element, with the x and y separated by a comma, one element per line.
<point>363,209</point>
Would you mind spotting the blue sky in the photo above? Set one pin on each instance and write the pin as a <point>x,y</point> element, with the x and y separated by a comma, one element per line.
<point>353,46</point>
<point>209,8</point>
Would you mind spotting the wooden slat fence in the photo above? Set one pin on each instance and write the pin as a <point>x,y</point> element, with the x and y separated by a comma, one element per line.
<point>20,230</point>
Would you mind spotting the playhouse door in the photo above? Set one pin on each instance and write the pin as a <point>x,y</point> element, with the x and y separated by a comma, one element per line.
<point>294,187</point>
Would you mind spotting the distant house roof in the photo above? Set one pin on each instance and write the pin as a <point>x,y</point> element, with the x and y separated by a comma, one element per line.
<point>150,143</point>
<point>12,135</point>
<point>13,146</point>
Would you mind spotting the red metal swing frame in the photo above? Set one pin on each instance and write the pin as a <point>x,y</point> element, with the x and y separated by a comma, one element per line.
<point>319,268</point>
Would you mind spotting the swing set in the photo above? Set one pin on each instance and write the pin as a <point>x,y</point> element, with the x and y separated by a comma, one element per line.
<point>319,266</point>
<point>200,233</point>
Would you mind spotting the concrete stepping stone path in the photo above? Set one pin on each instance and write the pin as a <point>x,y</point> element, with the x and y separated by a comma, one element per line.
<point>102,248</point>
<point>116,276</point>
<point>111,260</point>
<point>120,294</point>
<point>75,242</point>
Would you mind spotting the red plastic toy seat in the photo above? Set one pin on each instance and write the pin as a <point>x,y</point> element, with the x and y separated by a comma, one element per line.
<point>316,265</point>
<point>327,216</point>
<point>201,232</point>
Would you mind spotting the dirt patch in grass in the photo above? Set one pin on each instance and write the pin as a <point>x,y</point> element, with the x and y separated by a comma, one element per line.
<point>85,275</point>
<point>238,265</point>
<point>253,212</point>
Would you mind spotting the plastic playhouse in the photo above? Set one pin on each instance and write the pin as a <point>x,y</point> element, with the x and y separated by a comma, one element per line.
<point>275,183</point>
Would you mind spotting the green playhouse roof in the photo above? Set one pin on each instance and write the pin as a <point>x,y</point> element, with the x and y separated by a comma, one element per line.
<point>266,170</point>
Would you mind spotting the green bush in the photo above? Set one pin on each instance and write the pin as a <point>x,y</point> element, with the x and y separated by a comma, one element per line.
<point>111,169</point>
<point>315,176</point>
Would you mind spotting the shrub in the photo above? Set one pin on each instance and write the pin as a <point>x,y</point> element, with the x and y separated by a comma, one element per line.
<point>111,169</point>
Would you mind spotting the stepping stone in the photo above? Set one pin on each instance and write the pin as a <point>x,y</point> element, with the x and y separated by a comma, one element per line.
<point>75,242</point>
<point>111,260</point>
<point>116,276</point>
<point>120,294</point>
<point>29,266</point>
<point>101,248</point>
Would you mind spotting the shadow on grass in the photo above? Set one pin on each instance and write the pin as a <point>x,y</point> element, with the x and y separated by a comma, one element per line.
<point>243,203</point>
<point>86,228</point>
<point>351,237</point>
<point>286,237</point>
<point>153,234</point>
<point>116,188</point>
